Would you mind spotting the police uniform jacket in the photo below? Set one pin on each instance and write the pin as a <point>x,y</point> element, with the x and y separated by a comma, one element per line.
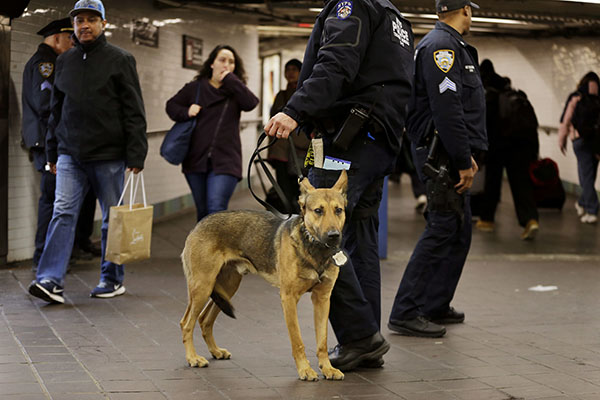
<point>38,78</point>
<point>448,92</point>
<point>360,52</point>
<point>97,112</point>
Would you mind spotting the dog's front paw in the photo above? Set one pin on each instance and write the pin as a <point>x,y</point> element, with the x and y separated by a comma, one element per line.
<point>197,361</point>
<point>220,354</point>
<point>308,374</point>
<point>331,373</point>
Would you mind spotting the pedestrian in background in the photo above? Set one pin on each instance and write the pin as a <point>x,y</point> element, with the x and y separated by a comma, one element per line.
<point>213,165</point>
<point>513,144</point>
<point>446,125</point>
<point>571,123</point>
<point>86,148</point>
<point>279,153</point>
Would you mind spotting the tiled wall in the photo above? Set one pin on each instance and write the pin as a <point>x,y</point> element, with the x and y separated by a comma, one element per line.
<point>161,76</point>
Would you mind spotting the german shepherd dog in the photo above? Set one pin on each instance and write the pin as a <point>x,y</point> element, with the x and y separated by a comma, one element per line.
<point>297,255</point>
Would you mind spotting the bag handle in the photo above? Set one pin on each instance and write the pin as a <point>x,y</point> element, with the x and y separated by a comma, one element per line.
<point>133,191</point>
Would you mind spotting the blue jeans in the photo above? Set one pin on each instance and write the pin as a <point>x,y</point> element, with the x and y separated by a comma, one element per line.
<point>587,168</point>
<point>211,192</point>
<point>73,179</point>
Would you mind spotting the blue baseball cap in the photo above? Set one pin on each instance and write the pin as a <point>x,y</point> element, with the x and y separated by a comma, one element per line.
<point>88,5</point>
<point>450,5</point>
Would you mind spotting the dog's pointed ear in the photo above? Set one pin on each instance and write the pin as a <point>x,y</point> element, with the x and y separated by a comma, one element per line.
<point>305,186</point>
<point>305,189</point>
<point>342,183</point>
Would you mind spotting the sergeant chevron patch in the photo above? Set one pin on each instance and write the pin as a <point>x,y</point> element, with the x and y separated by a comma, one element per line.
<point>447,84</point>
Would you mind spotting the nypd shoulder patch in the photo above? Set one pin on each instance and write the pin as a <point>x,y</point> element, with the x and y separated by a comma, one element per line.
<point>444,59</point>
<point>344,9</point>
<point>46,69</point>
<point>447,84</point>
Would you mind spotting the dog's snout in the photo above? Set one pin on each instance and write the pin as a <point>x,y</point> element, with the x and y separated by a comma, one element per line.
<point>333,235</point>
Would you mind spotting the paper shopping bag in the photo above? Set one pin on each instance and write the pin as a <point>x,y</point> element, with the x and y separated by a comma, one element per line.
<point>129,229</point>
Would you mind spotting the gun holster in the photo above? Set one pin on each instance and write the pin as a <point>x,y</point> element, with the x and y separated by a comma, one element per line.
<point>441,194</point>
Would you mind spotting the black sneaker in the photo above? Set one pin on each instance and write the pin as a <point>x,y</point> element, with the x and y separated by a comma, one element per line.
<point>351,355</point>
<point>106,290</point>
<point>47,291</point>
<point>91,248</point>
<point>80,254</point>
<point>419,326</point>
<point>452,316</point>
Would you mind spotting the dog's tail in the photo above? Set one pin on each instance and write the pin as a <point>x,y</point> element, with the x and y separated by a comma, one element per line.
<point>222,301</point>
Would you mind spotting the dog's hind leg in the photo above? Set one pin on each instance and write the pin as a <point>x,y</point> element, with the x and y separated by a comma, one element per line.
<point>229,282</point>
<point>197,298</point>
<point>320,299</point>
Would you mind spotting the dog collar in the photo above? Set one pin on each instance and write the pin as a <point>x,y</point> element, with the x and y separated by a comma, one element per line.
<point>339,257</point>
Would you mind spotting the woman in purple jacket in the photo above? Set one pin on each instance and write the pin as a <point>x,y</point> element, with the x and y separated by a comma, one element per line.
<point>213,165</point>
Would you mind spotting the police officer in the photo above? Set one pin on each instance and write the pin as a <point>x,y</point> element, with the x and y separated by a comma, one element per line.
<point>38,78</point>
<point>353,90</point>
<point>446,113</point>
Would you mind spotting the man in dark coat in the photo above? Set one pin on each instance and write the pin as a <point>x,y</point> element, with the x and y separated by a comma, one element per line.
<point>38,79</point>
<point>448,108</point>
<point>97,128</point>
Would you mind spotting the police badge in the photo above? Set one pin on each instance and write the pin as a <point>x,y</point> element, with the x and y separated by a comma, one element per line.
<point>444,59</point>
<point>46,69</point>
<point>344,9</point>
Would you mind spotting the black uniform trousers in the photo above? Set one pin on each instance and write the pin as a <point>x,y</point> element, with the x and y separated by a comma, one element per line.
<point>434,269</point>
<point>355,311</point>
<point>516,160</point>
<point>85,221</point>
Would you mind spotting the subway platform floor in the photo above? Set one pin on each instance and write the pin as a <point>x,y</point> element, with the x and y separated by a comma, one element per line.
<point>515,343</point>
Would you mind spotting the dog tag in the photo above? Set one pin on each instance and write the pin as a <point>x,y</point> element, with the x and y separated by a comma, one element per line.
<point>340,258</point>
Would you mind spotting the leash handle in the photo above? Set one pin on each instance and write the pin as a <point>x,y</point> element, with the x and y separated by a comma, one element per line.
<point>256,155</point>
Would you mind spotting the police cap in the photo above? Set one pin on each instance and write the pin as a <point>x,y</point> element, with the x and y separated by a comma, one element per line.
<point>449,5</point>
<point>57,26</point>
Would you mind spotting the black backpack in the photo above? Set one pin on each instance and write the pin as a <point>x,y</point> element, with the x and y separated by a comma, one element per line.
<point>586,118</point>
<point>516,114</point>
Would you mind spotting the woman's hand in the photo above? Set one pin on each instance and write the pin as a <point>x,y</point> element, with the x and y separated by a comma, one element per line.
<point>194,110</point>
<point>222,75</point>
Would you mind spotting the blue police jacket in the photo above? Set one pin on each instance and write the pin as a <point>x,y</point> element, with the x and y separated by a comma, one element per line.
<point>359,53</point>
<point>448,91</point>
<point>38,78</point>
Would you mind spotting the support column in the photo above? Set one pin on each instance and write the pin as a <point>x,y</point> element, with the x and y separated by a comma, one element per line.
<point>4,100</point>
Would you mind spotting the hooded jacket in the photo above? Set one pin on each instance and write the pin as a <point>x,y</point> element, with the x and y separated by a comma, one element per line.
<point>97,111</point>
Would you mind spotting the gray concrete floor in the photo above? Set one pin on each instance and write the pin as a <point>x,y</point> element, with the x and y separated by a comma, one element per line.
<point>514,344</point>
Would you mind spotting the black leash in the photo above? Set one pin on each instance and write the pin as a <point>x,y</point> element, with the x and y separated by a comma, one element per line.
<point>260,161</point>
